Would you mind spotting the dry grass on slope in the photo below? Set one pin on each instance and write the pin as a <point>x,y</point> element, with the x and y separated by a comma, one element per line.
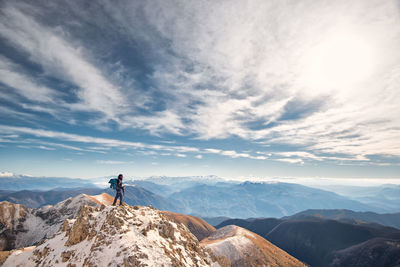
<point>200,228</point>
<point>245,248</point>
<point>104,198</point>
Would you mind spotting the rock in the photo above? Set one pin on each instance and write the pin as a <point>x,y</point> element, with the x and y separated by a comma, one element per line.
<point>80,228</point>
<point>66,255</point>
<point>167,230</point>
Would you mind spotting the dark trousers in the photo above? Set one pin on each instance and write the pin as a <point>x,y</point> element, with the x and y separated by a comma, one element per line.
<point>119,194</point>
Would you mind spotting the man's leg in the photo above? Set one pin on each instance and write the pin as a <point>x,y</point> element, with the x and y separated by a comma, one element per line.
<point>115,199</point>
<point>120,198</point>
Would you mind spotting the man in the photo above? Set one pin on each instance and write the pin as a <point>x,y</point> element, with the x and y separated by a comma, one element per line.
<point>120,188</point>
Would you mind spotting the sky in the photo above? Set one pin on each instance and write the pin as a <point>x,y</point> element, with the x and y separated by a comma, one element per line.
<point>236,89</point>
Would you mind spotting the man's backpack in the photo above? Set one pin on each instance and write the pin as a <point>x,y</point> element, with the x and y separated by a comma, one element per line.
<point>113,183</point>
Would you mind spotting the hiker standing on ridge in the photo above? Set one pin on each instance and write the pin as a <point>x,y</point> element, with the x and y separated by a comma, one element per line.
<point>119,188</point>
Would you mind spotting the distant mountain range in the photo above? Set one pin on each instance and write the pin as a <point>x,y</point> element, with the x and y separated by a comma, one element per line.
<point>134,195</point>
<point>36,199</point>
<point>376,252</point>
<point>380,199</point>
<point>207,196</point>
<point>316,241</point>
<point>249,199</point>
<point>326,242</point>
<point>385,198</point>
<point>165,186</point>
<point>214,221</point>
<point>15,182</point>
<point>387,219</point>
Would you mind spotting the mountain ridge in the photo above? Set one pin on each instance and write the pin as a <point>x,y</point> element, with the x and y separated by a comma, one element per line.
<point>100,234</point>
<point>387,219</point>
<point>244,248</point>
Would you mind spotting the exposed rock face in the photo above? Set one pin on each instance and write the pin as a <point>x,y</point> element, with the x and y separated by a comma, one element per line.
<point>244,248</point>
<point>22,227</point>
<point>12,218</point>
<point>118,236</point>
<point>200,228</point>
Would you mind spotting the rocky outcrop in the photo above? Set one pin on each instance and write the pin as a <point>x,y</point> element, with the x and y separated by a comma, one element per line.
<point>22,227</point>
<point>118,236</point>
<point>12,218</point>
<point>246,249</point>
<point>200,228</point>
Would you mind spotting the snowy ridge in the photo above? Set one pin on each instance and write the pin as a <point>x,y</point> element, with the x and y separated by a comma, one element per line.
<point>117,236</point>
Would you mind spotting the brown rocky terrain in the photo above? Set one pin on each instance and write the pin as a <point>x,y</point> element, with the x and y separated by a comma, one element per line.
<point>200,228</point>
<point>104,198</point>
<point>244,249</point>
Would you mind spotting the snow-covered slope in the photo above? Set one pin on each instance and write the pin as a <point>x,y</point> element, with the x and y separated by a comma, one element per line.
<point>21,227</point>
<point>244,248</point>
<point>117,236</point>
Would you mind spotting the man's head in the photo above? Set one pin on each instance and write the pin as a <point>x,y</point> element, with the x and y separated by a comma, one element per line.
<point>120,176</point>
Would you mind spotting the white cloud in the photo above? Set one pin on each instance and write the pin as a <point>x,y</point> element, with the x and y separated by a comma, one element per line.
<point>9,112</point>
<point>23,85</point>
<point>7,174</point>
<point>113,162</point>
<point>64,60</point>
<point>158,123</point>
<point>232,154</point>
<point>234,69</point>
<point>253,56</point>
<point>289,160</point>
<point>110,143</point>
<point>300,154</point>
<point>46,148</point>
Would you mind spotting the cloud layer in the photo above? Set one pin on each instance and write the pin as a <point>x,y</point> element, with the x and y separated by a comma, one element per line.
<point>205,71</point>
